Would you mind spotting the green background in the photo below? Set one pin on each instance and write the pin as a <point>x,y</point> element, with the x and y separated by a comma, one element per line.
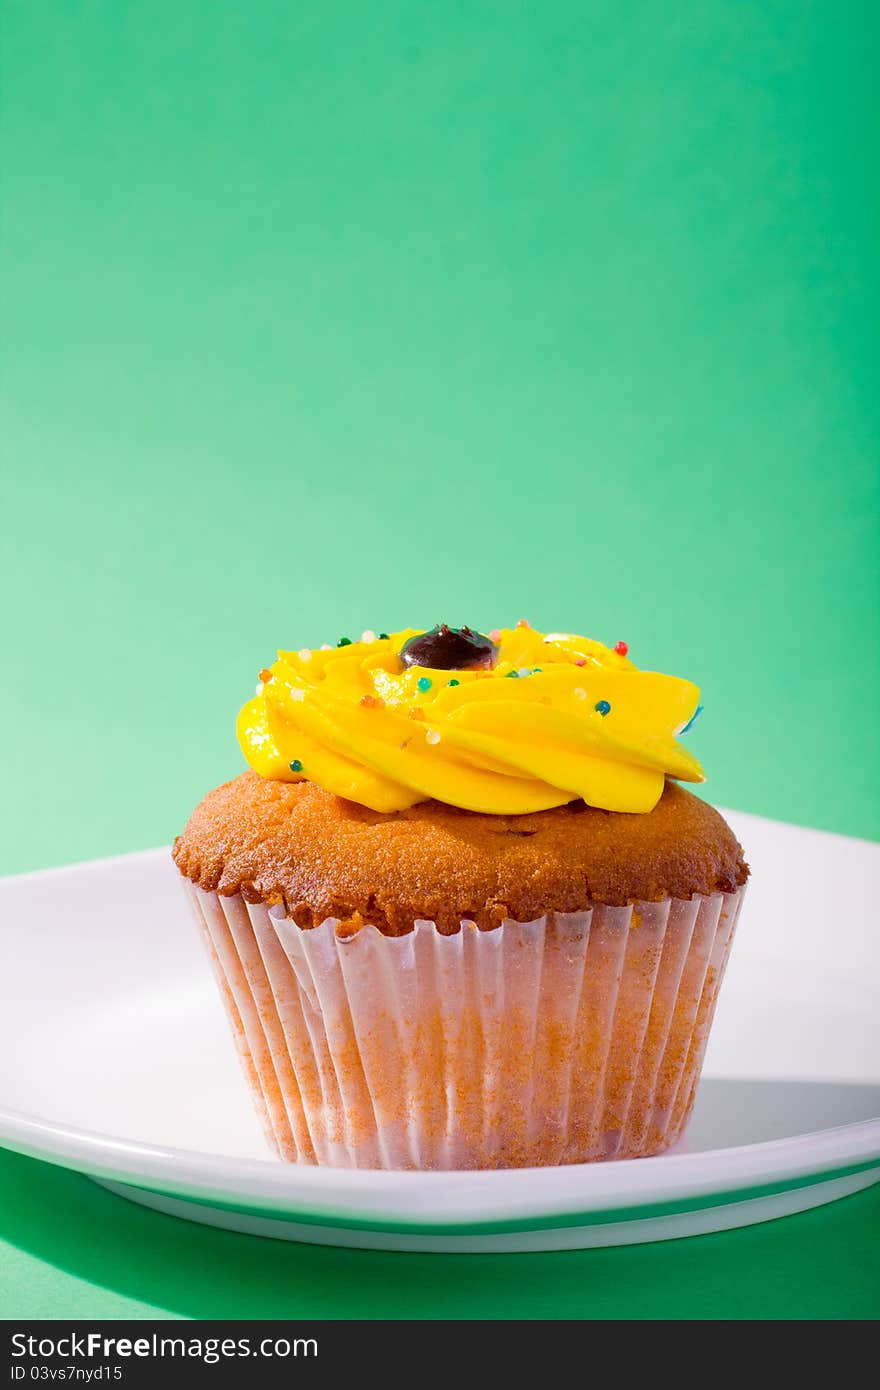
<point>319,317</point>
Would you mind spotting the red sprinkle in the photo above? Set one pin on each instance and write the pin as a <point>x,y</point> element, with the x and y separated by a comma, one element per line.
<point>581,661</point>
<point>265,675</point>
<point>372,702</point>
<point>522,622</point>
<point>495,634</point>
<point>621,648</point>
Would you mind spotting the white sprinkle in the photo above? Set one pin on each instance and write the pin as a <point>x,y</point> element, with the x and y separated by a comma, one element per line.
<point>580,693</point>
<point>524,671</point>
<point>259,687</point>
<point>326,647</point>
<point>304,654</point>
<point>432,736</point>
<point>368,636</point>
<point>296,694</point>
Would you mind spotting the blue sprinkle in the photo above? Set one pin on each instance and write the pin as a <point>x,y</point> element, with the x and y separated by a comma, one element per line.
<point>423,683</point>
<point>296,765</point>
<point>692,721</point>
<point>537,670</point>
<point>603,708</point>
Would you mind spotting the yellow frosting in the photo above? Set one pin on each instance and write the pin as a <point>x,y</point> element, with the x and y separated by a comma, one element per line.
<point>522,737</point>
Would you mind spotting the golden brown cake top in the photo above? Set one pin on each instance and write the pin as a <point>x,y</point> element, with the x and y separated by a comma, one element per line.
<point>320,856</point>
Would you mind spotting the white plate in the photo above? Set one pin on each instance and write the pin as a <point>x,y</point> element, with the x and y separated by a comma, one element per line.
<point>115,1060</point>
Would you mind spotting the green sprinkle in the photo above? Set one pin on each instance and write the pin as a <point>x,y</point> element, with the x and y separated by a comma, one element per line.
<point>453,682</point>
<point>536,670</point>
<point>383,637</point>
<point>513,675</point>
<point>296,765</point>
<point>344,642</point>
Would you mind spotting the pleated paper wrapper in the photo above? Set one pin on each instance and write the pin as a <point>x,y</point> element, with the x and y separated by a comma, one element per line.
<point>576,1037</point>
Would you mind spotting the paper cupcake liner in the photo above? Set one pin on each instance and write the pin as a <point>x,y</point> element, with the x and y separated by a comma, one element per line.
<point>576,1037</point>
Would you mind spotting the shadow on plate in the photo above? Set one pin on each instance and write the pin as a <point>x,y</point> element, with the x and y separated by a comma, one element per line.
<point>178,1268</point>
<point>728,1113</point>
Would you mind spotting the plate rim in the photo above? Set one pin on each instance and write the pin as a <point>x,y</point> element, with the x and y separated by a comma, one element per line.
<point>337,1196</point>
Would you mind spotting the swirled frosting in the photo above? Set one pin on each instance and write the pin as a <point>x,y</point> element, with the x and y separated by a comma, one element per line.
<point>558,718</point>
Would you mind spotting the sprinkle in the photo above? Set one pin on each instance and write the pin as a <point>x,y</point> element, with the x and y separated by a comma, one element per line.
<point>495,634</point>
<point>372,702</point>
<point>522,622</point>
<point>344,642</point>
<point>432,736</point>
<point>694,717</point>
<point>602,707</point>
<point>296,693</point>
<point>579,693</point>
<point>325,647</point>
<point>417,714</point>
<point>305,654</point>
<point>265,675</point>
<point>512,674</point>
<point>368,636</point>
<point>259,687</point>
<point>524,671</point>
<point>383,637</point>
<point>537,670</point>
<point>296,765</point>
<point>453,682</point>
<point>423,683</point>
<point>581,661</point>
<point>621,648</point>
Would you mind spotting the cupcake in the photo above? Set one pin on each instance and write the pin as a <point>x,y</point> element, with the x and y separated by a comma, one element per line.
<point>460,911</point>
